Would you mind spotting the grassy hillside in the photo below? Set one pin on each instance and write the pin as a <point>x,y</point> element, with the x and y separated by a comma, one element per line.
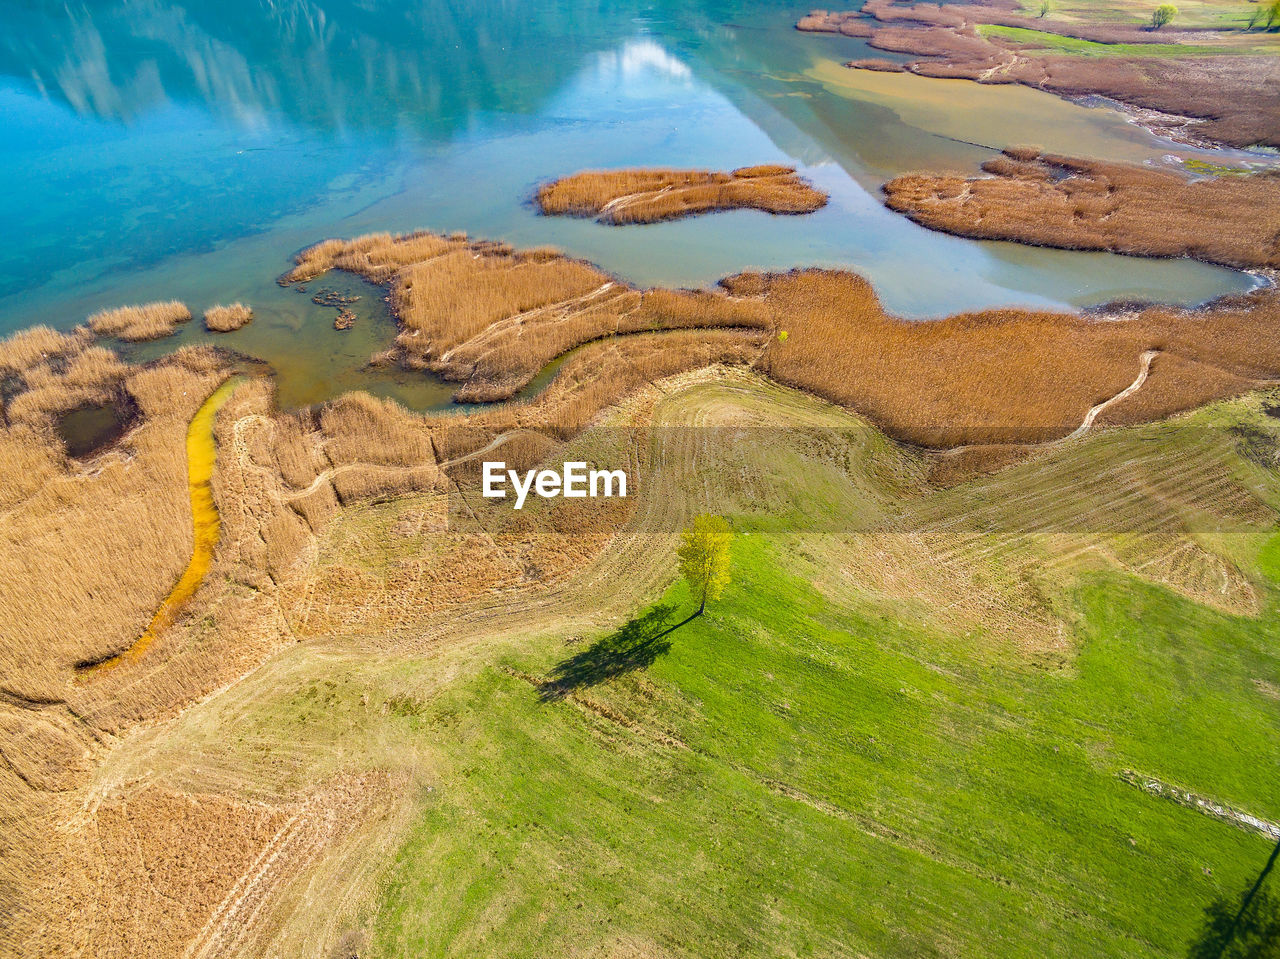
<point>901,742</point>
<point>788,777</point>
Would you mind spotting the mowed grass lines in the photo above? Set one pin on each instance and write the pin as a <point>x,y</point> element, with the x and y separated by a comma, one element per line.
<point>820,764</point>
<point>811,770</point>
<point>785,775</point>
<point>620,197</point>
<point>1065,202</point>
<point>150,321</point>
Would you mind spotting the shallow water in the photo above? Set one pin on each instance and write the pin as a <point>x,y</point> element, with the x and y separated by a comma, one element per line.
<point>87,430</point>
<point>187,150</point>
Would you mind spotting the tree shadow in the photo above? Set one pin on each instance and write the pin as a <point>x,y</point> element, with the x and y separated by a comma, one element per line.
<point>635,646</point>
<point>1243,927</point>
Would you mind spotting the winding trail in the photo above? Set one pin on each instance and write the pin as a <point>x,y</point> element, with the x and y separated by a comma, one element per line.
<point>1089,418</point>
<point>1128,391</point>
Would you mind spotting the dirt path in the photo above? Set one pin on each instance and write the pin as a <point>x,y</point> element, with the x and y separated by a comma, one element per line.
<point>619,202</point>
<point>1128,391</point>
<point>1090,417</point>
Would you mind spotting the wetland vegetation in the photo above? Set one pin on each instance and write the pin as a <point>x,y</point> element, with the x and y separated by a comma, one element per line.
<point>150,321</point>
<point>1215,82</point>
<point>1078,203</point>
<point>618,197</point>
<point>996,669</point>
<point>225,319</point>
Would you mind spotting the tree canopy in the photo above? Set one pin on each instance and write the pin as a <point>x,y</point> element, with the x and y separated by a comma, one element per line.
<point>704,557</point>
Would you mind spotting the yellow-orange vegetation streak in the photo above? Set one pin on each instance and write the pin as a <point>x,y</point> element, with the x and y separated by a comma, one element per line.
<point>202,452</point>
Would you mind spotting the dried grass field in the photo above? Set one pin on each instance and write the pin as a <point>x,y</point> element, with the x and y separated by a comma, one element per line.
<point>1079,204</point>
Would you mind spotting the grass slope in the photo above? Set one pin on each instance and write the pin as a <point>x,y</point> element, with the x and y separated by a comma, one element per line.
<point>831,762</point>
<point>788,777</point>
<point>1057,43</point>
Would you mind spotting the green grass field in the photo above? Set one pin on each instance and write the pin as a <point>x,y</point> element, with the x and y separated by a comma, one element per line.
<point>815,767</point>
<point>790,775</point>
<point>1056,43</point>
<point>788,778</point>
<point>1197,14</point>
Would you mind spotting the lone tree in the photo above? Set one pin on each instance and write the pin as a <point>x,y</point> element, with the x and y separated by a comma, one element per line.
<point>1162,15</point>
<point>1267,17</point>
<point>704,557</point>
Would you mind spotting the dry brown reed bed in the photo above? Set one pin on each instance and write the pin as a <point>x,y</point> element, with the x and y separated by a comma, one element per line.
<point>1234,99</point>
<point>1007,376</point>
<point>87,552</point>
<point>491,318</point>
<point>225,319</point>
<point>1093,205</point>
<point>97,545</point>
<point>992,377</point>
<point>27,348</point>
<point>620,197</point>
<point>150,321</point>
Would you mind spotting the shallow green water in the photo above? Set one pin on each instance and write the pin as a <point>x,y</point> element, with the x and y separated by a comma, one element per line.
<point>188,150</point>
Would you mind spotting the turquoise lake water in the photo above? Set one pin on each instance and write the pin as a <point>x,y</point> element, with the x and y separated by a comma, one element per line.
<point>160,150</point>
